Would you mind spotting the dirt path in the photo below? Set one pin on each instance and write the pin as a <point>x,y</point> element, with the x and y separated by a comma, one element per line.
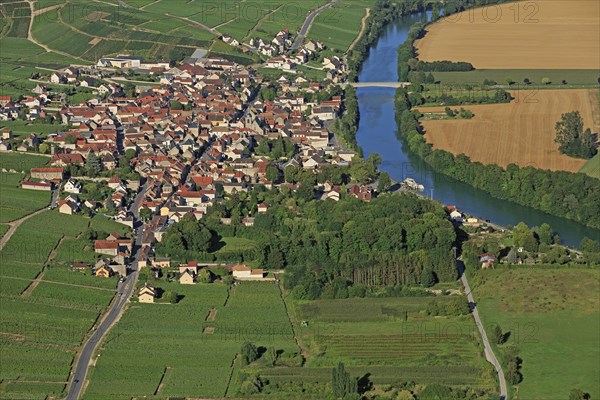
<point>58,283</point>
<point>34,41</point>
<point>15,224</point>
<point>43,10</point>
<point>260,21</point>
<point>27,292</point>
<point>363,26</point>
<point>196,23</point>
<point>297,339</point>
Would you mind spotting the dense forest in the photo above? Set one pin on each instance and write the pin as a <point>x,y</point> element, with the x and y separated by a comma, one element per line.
<point>329,249</point>
<point>564,194</point>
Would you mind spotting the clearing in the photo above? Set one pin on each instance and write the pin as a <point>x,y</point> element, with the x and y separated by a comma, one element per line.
<point>546,34</point>
<point>520,132</point>
<point>551,319</point>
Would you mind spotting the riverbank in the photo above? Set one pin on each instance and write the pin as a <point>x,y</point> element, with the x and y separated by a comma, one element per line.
<point>377,133</point>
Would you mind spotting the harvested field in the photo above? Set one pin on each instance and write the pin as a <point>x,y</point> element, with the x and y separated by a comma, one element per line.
<point>546,34</point>
<point>520,132</point>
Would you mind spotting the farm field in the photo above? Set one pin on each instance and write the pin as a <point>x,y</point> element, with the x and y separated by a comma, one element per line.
<point>193,363</point>
<point>23,128</point>
<point>43,325</point>
<point>340,25</point>
<point>520,132</point>
<point>592,167</point>
<point>573,77</point>
<point>22,162</point>
<point>547,34</point>
<point>16,202</point>
<point>551,319</point>
<point>389,340</point>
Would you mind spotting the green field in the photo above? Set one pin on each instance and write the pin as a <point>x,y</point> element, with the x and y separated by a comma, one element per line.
<point>16,202</point>
<point>3,229</point>
<point>592,167</point>
<point>573,77</point>
<point>552,316</point>
<point>389,340</point>
<point>340,25</point>
<point>22,162</point>
<point>23,128</point>
<point>137,353</point>
<point>42,325</point>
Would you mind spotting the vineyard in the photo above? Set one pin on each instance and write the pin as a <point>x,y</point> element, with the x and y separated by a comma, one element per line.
<point>390,339</point>
<point>16,202</point>
<point>197,363</point>
<point>44,323</point>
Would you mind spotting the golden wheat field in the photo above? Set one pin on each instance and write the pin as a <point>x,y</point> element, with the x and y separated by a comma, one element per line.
<point>541,34</point>
<point>520,132</point>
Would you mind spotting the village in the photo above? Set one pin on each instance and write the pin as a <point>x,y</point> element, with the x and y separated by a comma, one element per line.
<point>179,146</point>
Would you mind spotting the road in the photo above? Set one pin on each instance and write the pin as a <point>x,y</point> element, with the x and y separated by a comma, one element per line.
<point>489,352</point>
<point>308,22</point>
<point>124,292</point>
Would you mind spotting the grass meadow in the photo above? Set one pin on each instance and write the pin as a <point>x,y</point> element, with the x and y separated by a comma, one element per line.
<point>592,167</point>
<point>552,316</point>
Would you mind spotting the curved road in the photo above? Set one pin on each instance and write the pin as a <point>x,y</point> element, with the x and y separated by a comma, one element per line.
<point>489,352</point>
<point>124,292</point>
<point>308,22</point>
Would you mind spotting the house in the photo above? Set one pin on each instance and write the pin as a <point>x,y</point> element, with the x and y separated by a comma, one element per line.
<point>45,186</point>
<point>192,266</point>
<point>147,294</point>
<point>47,173</point>
<point>244,272</point>
<point>80,266</point>
<point>72,187</point>
<point>263,208</point>
<point>158,262</point>
<point>104,271</point>
<point>487,260</point>
<point>67,207</point>
<point>187,278</point>
<point>456,216</point>
<point>108,247</point>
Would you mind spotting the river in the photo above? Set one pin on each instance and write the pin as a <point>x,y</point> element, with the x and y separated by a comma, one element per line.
<point>377,133</point>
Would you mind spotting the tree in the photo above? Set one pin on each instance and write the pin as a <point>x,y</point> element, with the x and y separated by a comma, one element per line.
<point>578,394</point>
<point>44,148</point>
<point>176,105</point>
<point>509,81</point>
<point>449,112</point>
<point>272,173</point>
<point>145,213</point>
<point>498,335</point>
<point>571,138</point>
<point>511,257</point>
<point>249,353</point>
<point>546,81</point>
<point>545,234</point>
<point>342,383</point>
<point>428,278</point>
<point>92,165</point>
<point>171,297</point>
<point>384,183</point>
<point>204,276</point>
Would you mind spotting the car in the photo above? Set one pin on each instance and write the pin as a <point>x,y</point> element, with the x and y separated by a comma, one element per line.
<point>121,279</point>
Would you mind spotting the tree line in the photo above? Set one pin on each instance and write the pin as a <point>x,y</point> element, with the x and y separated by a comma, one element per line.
<point>564,194</point>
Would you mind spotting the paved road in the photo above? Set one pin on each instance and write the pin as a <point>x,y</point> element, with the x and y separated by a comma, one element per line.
<point>489,352</point>
<point>124,292</point>
<point>308,22</point>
